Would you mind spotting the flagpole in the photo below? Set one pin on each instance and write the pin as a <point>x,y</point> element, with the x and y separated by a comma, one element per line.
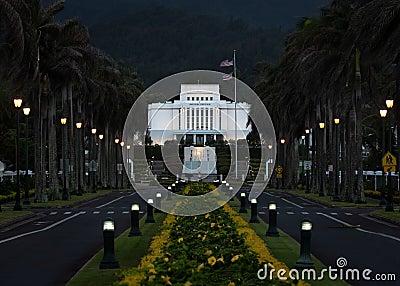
<point>236,146</point>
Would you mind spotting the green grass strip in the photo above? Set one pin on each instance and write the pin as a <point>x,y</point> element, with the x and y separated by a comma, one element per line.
<point>72,200</point>
<point>390,215</point>
<point>128,251</point>
<point>9,215</point>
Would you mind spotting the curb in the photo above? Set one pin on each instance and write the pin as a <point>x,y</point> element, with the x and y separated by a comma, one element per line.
<point>331,205</point>
<point>73,205</point>
<point>385,219</point>
<point>17,220</point>
<point>34,216</point>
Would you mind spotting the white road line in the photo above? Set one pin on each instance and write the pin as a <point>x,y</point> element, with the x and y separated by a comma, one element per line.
<point>67,213</point>
<point>271,195</point>
<point>83,212</point>
<point>96,212</point>
<point>141,212</point>
<point>312,203</point>
<point>360,229</point>
<point>39,230</point>
<point>296,205</point>
<point>334,214</point>
<point>305,213</point>
<point>125,212</point>
<point>290,213</point>
<point>53,213</point>
<point>379,234</point>
<point>99,207</point>
<point>265,208</point>
<point>261,212</point>
<point>110,212</point>
<point>349,214</point>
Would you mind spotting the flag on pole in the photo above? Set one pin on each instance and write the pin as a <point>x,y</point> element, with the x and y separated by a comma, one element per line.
<point>226,63</point>
<point>227,76</point>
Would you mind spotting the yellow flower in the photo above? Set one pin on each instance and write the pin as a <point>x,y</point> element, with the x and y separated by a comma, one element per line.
<point>201,266</point>
<point>231,284</point>
<point>152,277</point>
<point>180,239</point>
<point>152,270</point>
<point>166,280</point>
<point>199,235</point>
<point>221,259</point>
<point>208,252</point>
<point>212,224</point>
<point>204,237</point>
<point>207,216</point>
<point>166,259</point>
<point>212,260</point>
<point>236,257</point>
<point>188,283</point>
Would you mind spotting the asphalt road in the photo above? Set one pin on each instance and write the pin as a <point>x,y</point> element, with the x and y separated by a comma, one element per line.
<point>349,233</point>
<point>51,249</point>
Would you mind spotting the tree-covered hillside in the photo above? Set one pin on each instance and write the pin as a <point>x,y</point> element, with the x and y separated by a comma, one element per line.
<point>264,13</point>
<point>161,41</point>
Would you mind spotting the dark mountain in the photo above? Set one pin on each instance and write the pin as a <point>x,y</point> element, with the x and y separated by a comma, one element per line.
<point>161,41</point>
<point>265,13</point>
<point>159,38</point>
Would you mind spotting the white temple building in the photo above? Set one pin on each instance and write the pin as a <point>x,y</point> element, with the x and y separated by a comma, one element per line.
<point>198,116</point>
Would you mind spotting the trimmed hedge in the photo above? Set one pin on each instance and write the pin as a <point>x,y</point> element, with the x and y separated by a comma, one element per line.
<point>377,195</point>
<point>11,197</point>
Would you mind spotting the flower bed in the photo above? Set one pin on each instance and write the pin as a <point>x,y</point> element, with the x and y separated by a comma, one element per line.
<point>218,248</point>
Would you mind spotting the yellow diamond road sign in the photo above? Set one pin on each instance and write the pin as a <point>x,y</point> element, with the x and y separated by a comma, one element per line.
<point>389,160</point>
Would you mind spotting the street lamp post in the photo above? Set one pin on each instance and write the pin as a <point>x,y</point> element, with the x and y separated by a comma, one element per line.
<point>122,174</point>
<point>269,162</point>
<point>383,113</point>
<point>389,205</point>
<point>128,148</point>
<point>307,157</point>
<point>17,206</point>
<point>336,196</point>
<point>79,127</point>
<point>64,193</point>
<point>303,139</point>
<point>322,169</point>
<point>93,167</point>
<point>283,141</point>
<point>116,162</point>
<point>101,137</point>
<point>26,111</point>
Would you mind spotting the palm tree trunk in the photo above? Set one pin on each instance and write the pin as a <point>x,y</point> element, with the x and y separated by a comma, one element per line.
<point>40,175</point>
<point>71,141</point>
<point>53,174</point>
